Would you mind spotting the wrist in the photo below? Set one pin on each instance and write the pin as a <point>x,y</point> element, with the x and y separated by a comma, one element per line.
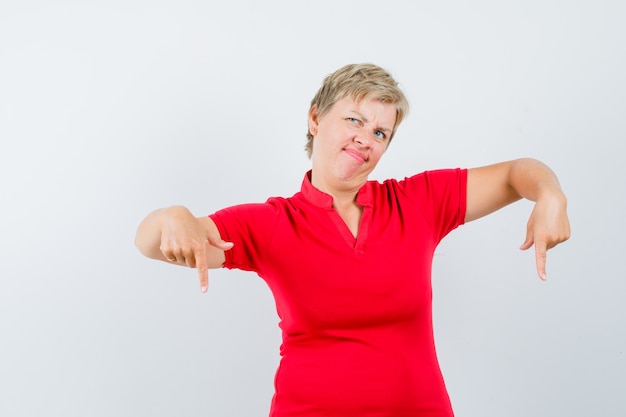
<point>552,193</point>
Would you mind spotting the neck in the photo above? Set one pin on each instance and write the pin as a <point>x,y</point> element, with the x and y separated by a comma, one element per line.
<point>343,197</point>
<point>344,201</point>
<point>349,210</point>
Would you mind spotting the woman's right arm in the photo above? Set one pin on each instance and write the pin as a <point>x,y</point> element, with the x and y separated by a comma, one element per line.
<point>174,235</point>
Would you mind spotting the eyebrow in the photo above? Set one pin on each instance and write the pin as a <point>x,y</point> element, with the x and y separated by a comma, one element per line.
<point>365,119</point>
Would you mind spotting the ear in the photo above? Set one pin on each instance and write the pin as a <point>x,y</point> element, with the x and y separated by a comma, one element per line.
<point>313,120</point>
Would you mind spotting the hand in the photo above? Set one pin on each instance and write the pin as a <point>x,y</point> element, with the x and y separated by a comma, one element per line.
<point>547,226</point>
<point>188,240</point>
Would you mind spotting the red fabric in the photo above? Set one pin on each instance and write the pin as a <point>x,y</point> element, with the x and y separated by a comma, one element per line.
<point>356,314</point>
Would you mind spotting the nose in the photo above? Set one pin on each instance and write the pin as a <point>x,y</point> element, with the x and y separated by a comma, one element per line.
<point>362,138</point>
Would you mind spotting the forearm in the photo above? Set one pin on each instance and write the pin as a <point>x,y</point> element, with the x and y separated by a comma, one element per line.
<point>494,186</point>
<point>174,235</point>
<point>148,236</point>
<point>532,179</point>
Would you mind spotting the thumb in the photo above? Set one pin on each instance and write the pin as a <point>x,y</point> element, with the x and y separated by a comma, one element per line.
<point>218,242</point>
<point>528,242</point>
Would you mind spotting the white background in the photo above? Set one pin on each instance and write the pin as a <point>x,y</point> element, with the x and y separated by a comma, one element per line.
<point>109,110</point>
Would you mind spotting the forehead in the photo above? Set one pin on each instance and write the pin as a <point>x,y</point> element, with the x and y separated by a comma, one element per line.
<point>372,110</point>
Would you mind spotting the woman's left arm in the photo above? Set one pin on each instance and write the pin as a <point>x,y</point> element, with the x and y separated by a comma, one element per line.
<point>492,187</point>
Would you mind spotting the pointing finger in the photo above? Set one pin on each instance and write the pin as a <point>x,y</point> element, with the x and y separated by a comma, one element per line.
<point>540,256</point>
<point>200,263</point>
<point>203,274</point>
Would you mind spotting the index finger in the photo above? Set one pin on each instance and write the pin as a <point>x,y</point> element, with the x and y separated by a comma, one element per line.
<point>540,258</point>
<point>203,274</point>
<point>203,271</point>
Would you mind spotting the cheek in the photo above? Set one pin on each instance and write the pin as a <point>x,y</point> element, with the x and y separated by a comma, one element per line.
<point>380,151</point>
<point>374,159</point>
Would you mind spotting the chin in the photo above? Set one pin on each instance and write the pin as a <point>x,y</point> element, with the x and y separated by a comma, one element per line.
<point>352,175</point>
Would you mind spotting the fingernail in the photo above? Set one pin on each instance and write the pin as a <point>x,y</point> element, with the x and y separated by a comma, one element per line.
<point>543,277</point>
<point>204,288</point>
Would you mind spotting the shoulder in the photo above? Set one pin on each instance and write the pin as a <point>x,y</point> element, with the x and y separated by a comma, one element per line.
<point>424,181</point>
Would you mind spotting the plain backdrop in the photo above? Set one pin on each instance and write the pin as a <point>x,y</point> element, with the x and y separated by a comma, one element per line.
<point>109,110</point>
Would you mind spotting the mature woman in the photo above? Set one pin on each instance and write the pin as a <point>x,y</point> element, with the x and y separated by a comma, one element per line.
<point>349,260</point>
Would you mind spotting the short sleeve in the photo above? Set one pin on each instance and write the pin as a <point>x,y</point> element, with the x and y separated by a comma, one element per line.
<point>440,196</point>
<point>250,227</point>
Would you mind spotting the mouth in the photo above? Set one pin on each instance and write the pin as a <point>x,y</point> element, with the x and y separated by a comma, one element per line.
<point>356,155</point>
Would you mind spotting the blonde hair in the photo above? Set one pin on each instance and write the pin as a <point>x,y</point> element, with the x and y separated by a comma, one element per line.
<point>358,82</point>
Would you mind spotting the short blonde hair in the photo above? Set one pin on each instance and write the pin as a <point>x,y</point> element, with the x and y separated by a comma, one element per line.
<point>358,82</point>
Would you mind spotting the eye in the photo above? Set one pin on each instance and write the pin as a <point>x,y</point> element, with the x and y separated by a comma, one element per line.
<point>353,120</point>
<point>380,135</point>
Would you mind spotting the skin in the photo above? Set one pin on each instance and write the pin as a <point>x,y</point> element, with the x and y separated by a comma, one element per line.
<point>349,140</point>
<point>176,236</point>
<point>492,187</point>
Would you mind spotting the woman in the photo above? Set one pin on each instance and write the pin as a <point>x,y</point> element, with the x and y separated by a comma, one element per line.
<point>349,260</point>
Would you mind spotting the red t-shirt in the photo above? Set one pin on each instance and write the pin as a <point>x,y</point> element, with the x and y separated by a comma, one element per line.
<point>355,313</point>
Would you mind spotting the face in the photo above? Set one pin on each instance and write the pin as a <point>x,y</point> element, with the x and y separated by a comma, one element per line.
<point>349,140</point>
